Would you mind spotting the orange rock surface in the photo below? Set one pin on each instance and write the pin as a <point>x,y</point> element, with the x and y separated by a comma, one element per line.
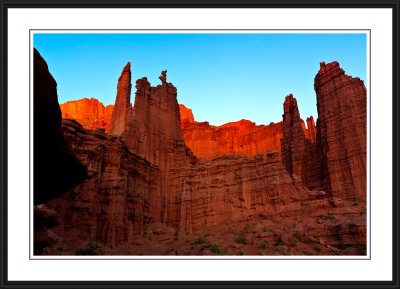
<point>206,141</point>
<point>91,113</point>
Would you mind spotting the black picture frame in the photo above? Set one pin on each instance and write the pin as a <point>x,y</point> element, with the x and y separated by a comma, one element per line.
<point>5,5</point>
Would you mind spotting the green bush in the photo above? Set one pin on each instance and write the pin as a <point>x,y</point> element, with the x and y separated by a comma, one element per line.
<point>88,249</point>
<point>241,239</point>
<point>293,243</point>
<point>215,249</point>
<point>263,245</point>
<point>297,235</point>
<point>201,240</point>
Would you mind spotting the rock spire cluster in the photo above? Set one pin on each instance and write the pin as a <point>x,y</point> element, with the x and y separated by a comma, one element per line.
<point>144,171</point>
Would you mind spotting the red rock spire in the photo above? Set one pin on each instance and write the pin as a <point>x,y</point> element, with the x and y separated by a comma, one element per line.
<point>293,137</point>
<point>122,108</point>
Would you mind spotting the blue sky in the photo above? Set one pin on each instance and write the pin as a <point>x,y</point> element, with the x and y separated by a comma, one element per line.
<point>222,77</point>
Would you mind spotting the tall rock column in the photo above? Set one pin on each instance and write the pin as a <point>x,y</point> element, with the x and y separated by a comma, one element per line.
<point>154,134</point>
<point>342,119</point>
<point>122,108</point>
<point>293,138</point>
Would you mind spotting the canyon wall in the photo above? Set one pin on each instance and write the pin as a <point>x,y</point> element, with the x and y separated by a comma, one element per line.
<point>204,140</point>
<point>112,204</point>
<point>144,171</point>
<point>91,113</point>
<point>148,174</point>
<point>242,137</point>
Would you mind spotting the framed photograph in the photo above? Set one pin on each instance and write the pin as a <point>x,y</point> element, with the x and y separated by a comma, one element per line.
<point>207,145</point>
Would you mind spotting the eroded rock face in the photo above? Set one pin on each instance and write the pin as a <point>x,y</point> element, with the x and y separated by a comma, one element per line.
<point>112,204</point>
<point>153,133</point>
<point>56,168</point>
<point>204,140</point>
<point>154,128</point>
<point>342,119</point>
<point>242,137</point>
<point>91,113</point>
<point>122,108</point>
<point>233,188</point>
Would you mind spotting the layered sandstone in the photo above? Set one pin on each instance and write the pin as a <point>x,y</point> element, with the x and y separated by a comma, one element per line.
<point>242,137</point>
<point>342,119</point>
<point>205,141</point>
<point>153,133</point>
<point>112,204</point>
<point>234,188</point>
<point>91,113</point>
<point>56,168</point>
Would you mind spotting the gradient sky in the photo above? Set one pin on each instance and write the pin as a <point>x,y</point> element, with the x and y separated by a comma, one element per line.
<point>222,77</point>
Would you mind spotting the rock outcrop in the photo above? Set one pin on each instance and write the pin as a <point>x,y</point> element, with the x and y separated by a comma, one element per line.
<point>145,172</point>
<point>112,204</point>
<point>56,168</point>
<point>153,133</point>
<point>332,155</point>
<point>122,108</point>
<point>234,188</point>
<point>242,137</point>
<point>204,140</point>
<point>342,119</point>
<point>91,113</point>
<point>186,114</point>
<point>150,175</point>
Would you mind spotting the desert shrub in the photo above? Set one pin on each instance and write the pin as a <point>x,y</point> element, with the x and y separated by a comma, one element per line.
<point>201,240</point>
<point>176,235</point>
<point>241,239</point>
<point>293,243</point>
<point>317,247</point>
<point>88,249</point>
<point>282,249</point>
<point>263,245</point>
<point>215,249</point>
<point>328,217</point>
<point>296,235</point>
